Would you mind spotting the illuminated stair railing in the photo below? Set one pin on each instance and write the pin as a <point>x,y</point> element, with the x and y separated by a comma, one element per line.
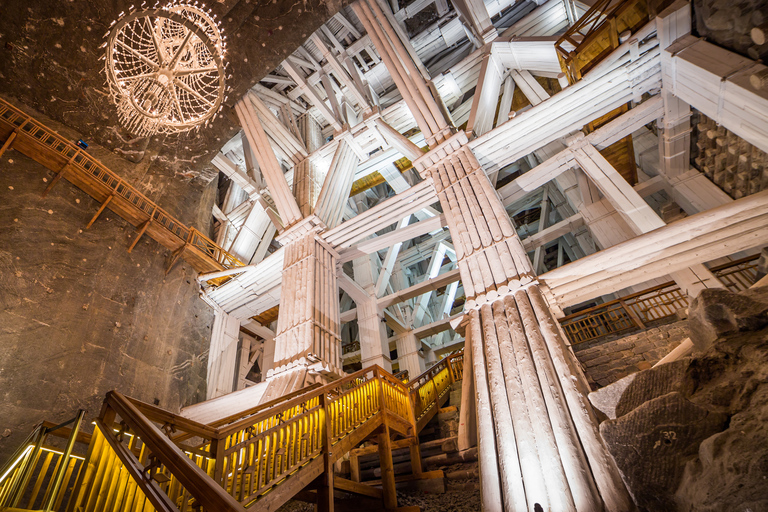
<point>141,457</point>
<point>40,476</point>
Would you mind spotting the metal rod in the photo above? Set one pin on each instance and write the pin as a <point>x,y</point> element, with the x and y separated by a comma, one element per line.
<point>59,478</point>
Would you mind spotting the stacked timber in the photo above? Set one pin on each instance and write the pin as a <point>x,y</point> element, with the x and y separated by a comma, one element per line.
<point>733,164</point>
<point>308,324</point>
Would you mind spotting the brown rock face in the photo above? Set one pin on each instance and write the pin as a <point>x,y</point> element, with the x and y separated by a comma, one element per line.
<point>693,435</point>
<point>650,443</point>
<point>718,312</point>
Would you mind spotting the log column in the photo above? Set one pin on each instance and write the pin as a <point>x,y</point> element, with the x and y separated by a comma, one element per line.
<point>308,324</point>
<point>408,354</point>
<point>538,439</point>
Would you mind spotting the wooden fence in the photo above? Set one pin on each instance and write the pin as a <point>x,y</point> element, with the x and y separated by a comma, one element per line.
<point>636,311</point>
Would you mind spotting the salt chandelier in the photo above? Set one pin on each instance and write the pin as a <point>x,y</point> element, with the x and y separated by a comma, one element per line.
<point>165,68</point>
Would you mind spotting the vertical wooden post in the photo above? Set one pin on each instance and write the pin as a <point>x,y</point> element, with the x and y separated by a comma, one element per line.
<point>467,418</point>
<point>64,462</point>
<point>325,491</point>
<point>217,450</point>
<point>354,466</point>
<point>416,466</point>
<point>389,493</point>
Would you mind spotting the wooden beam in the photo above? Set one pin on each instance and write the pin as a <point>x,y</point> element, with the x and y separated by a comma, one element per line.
<point>311,94</point>
<point>7,143</point>
<point>140,233</point>
<point>345,485</point>
<point>100,210</point>
<point>706,236</point>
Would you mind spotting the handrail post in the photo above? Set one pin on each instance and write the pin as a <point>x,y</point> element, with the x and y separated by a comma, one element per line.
<point>325,491</point>
<point>59,478</point>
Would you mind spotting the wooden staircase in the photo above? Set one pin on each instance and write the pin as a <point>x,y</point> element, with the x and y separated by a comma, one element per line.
<point>30,137</point>
<point>143,458</point>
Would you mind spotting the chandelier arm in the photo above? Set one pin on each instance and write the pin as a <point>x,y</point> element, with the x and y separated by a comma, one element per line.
<point>175,60</point>
<point>141,56</point>
<point>176,102</point>
<point>188,72</point>
<point>155,42</point>
<point>192,92</point>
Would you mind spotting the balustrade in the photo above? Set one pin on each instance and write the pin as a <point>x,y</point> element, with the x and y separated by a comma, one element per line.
<point>655,304</point>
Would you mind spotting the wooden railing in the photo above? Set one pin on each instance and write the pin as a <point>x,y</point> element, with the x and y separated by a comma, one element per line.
<point>99,177</point>
<point>431,388</point>
<point>141,457</point>
<point>596,34</point>
<point>636,311</point>
<point>39,476</point>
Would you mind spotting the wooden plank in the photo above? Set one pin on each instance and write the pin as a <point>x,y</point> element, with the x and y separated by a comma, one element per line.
<point>356,487</point>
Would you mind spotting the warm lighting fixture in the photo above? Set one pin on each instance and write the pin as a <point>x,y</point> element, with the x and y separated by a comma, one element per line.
<point>165,68</point>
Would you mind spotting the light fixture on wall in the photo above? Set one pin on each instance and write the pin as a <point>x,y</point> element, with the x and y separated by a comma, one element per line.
<point>165,68</point>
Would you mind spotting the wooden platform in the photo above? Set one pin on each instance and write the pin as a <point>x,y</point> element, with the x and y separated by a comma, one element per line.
<point>33,139</point>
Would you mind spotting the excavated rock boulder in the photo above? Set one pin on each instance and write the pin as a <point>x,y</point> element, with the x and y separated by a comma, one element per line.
<point>692,435</point>
<point>651,443</point>
<point>717,312</point>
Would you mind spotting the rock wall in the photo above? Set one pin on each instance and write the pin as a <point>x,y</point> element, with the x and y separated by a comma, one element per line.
<point>692,435</point>
<point>605,362</point>
<point>79,315</point>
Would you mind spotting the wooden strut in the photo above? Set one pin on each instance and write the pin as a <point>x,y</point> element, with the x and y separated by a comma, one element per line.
<point>8,142</point>
<point>100,210</point>
<point>141,231</point>
<point>175,257</point>
<point>60,174</point>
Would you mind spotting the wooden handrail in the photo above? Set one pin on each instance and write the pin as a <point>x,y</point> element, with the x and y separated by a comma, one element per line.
<point>43,136</point>
<point>653,289</point>
<point>266,405</point>
<point>154,413</point>
<point>275,446</point>
<point>194,479</point>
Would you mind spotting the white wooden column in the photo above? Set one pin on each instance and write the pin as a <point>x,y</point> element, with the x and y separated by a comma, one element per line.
<point>474,16</point>
<point>486,96</point>
<point>530,391</point>
<point>403,70</point>
<point>222,354</point>
<point>374,347</point>
<point>675,126</point>
<point>337,184</point>
<point>308,323</point>
<point>408,356</point>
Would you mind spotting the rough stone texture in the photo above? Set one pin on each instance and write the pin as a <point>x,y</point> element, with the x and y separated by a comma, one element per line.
<point>651,384</point>
<point>728,24</point>
<point>448,419</point>
<point>704,446</point>
<point>605,362</point>
<point>649,443</point>
<point>50,61</point>
<point>716,312</point>
<point>79,316</point>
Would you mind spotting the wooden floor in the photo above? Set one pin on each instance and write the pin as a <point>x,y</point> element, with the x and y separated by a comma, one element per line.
<point>31,138</point>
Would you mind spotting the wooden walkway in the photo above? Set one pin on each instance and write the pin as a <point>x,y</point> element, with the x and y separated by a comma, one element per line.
<point>33,139</point>
<point>153,460</point>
